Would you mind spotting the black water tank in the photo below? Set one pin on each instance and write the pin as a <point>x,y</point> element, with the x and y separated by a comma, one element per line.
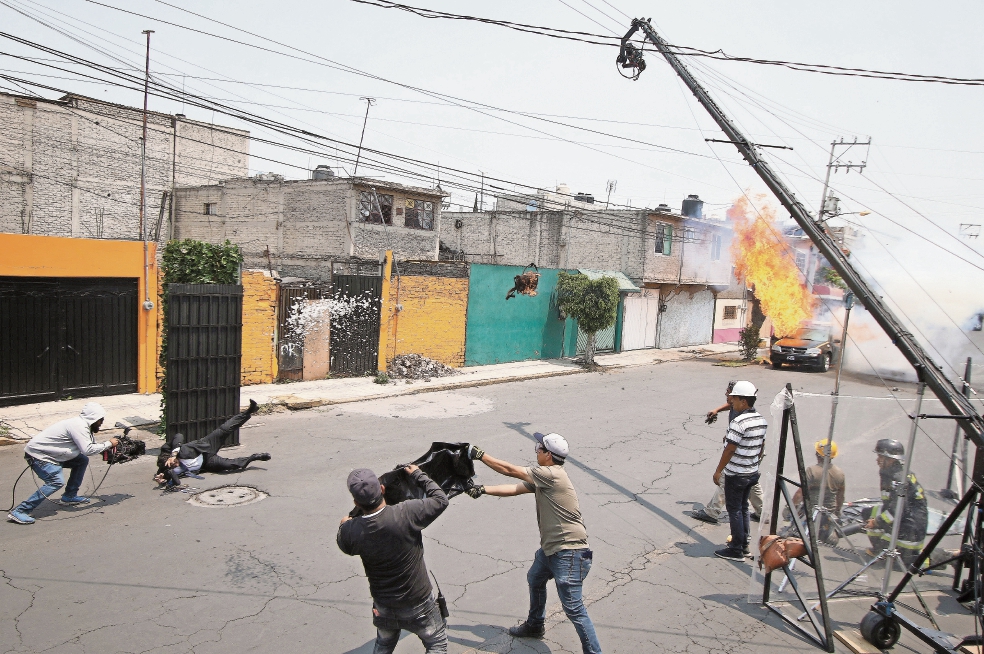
<point>693,207</point>
<point>322,172</point>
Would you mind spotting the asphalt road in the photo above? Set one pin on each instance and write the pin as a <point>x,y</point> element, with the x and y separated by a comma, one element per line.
<point>142,571</point>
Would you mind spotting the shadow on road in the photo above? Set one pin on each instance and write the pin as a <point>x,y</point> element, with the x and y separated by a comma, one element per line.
<point>520,428</point>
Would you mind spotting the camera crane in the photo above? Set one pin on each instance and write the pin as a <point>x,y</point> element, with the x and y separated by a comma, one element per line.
<point>882,617</point>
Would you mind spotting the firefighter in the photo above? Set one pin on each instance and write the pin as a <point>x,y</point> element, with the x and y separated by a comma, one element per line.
<point>915,515</point>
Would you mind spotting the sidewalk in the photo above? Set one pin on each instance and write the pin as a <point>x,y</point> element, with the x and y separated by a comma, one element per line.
<point>136,409</point>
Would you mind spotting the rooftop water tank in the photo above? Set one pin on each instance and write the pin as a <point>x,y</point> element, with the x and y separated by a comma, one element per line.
<point>693,207</point>
<point>322,172</point>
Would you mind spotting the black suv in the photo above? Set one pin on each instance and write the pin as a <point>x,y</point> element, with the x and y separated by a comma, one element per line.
<point>808,346</point>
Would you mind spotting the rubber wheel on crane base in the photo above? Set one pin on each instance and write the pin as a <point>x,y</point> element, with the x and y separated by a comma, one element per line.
<point>880,631</point>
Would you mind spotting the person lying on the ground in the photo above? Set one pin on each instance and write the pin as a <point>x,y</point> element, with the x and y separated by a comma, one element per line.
<point>179,459</point>
<point>65,444</point>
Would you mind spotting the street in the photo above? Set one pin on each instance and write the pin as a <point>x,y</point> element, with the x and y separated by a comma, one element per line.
<point>143,571</point>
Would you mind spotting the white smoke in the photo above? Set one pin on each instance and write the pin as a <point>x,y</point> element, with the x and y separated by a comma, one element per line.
<point>937,296</point>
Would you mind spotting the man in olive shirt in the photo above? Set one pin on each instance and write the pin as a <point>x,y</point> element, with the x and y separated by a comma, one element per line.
<point>563,555</point>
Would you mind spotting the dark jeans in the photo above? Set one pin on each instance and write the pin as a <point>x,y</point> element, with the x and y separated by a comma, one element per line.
<point>51,475</point>
<point>424,620</point>
<point>567,568</point>
<point>736,490</point>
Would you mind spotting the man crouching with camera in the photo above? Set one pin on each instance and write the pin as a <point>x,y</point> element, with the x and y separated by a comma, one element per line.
<point>388,539</point>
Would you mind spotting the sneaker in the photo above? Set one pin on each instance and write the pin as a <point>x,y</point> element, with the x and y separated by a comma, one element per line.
<point>730,554</point>
<point>263,456</point>
<point>20,518</point>
<point>253,407</point>
<point>754,517</point>
<point>702,516</point>
<point>747,553</point>
<point>73,500</point>
<point>526,630</point>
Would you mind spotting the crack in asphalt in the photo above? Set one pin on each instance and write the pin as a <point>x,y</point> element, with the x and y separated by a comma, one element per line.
<point>17,618</point>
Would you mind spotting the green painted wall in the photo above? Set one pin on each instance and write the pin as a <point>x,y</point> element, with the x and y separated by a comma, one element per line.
<point>500,330</point>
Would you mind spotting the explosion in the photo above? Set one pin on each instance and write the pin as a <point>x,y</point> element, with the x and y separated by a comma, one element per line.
<point>762,258</point>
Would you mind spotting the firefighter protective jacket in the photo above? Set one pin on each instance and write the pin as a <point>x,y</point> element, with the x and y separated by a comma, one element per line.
<point>915,514</point>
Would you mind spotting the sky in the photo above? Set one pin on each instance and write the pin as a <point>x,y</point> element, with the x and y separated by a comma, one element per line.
<point>924,169</point>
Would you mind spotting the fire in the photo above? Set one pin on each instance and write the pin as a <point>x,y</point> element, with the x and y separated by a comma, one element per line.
<point>764,260</point>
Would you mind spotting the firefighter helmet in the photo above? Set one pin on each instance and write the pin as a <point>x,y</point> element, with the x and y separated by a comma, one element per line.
<point>891,448</point>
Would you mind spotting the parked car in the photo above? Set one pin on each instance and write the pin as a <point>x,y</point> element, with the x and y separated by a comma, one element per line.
<point>808,346</point>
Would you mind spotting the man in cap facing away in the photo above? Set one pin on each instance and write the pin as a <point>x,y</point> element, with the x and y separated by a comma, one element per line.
<point>65,444</point>
<point>563,555</point>
<point>388,539</point>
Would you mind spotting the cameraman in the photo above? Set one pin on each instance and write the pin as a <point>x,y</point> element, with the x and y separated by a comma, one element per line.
<point>65,444</point>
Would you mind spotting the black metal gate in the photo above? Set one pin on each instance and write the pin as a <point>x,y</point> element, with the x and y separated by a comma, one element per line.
<point>204,355</point>
<point>290,346</point>
<point>67,337</point>
<point>354,339</point>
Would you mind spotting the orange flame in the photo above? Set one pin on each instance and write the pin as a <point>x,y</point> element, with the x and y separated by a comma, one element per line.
<point>766,263</point>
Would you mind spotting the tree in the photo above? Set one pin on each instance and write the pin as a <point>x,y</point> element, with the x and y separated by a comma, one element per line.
<point>592,302</point>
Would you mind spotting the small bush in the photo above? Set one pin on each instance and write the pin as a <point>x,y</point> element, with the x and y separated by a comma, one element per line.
<point>748,341</point>
<point>381,378</point>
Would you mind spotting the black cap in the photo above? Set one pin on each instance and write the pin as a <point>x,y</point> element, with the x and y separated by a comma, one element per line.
<point>364,486</point>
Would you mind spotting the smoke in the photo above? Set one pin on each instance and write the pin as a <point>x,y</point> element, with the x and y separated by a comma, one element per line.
<point>934,294</point>
<point>763,260</point>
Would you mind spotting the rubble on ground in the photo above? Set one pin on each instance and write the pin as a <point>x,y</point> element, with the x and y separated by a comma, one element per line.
<point>414,366</point>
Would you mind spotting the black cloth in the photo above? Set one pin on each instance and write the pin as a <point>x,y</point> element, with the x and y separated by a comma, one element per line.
<point>207,448</point>
<point>391,545</point>
<point>445,463</point>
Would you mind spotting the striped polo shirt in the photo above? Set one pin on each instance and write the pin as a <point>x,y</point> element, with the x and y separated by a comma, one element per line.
<point>747,432</point>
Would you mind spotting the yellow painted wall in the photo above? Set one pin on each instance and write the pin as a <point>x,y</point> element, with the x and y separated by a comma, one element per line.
<point>432,321</point>
<point>260,292</point>
<point>26,255</point>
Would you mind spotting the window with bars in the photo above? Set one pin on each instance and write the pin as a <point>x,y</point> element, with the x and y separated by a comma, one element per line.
<point>211,208</point>
<point>419,214</point>
<point>731,312</point>
<point>664,238</point>
<point>716,247</point>
<point>371,213</point>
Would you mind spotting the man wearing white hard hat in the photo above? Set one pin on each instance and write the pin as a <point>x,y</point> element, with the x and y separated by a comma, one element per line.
<point>563,555</point>
<point>740,466</point>
<point>65,444</point>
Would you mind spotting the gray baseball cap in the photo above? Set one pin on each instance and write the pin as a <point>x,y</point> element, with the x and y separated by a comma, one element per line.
<point>364,486</point>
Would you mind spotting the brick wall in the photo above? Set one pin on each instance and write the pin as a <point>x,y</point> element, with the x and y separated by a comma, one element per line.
<point>432,320</point>
<point>299,227</point>
<point>72,167</point>
<point>259,363</point>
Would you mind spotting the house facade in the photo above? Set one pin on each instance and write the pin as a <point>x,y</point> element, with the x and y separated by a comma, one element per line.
<point>71,167</point>
<point>303,228</point>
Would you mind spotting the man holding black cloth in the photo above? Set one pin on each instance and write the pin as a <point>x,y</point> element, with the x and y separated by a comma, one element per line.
<point>388,539</point>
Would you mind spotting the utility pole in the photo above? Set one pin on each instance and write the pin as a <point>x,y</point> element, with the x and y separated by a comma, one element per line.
<point>148,305</point>
<point>952,399</point>
<point>369,103</point>
<point>828,203</point>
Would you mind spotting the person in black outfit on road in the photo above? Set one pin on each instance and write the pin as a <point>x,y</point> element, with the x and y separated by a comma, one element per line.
<point>178,459</point>
<point>388,538</point>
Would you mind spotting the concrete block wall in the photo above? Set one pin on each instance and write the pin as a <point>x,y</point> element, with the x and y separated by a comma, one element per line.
<point>260,297</point>
<point>299,227</point>
<point>511,238</point>
<point>72,167</point>
<point>433,316</point>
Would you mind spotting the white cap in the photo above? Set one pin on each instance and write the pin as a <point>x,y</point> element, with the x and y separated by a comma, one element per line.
<point>553,443</point>
<point>744,389</point>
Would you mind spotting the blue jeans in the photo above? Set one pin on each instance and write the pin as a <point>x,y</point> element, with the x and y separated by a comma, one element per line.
<point>51,475</point>
<point>567,568</point>
<point>736,491</point>
<point>424,620</point>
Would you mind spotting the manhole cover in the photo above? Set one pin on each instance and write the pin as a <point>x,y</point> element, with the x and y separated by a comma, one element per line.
<point>227,496</point>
